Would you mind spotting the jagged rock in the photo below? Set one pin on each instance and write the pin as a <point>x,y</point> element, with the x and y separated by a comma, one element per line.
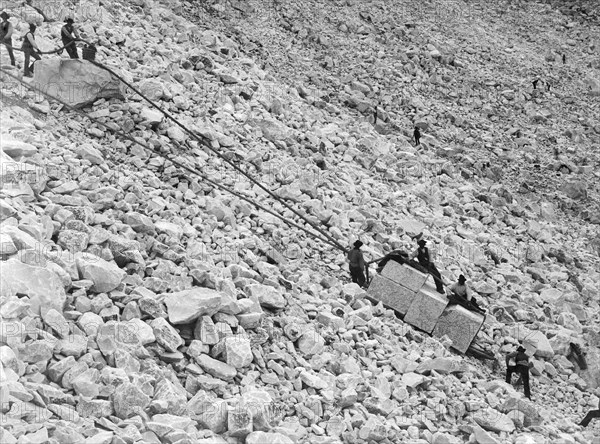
<point>311,343</point>
<point>105,275</point>
<point>238,353</point>
<point>129,400</point>
<point>216,368</point>
<point>269,297</point>
<point>166,335</point>
<point>43,287</point>
<point>493,420</point>
<point>267,438</point>
<point>186,306</point>
<point>77,82</point>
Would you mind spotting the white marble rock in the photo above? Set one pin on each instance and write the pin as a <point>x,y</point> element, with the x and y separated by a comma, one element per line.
<point>461,326</point>
<point>404,275</point>
<point>392,295</point>
<point>426,309</point>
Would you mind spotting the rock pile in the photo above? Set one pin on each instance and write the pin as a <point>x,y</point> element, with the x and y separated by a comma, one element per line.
<point>140,304</point>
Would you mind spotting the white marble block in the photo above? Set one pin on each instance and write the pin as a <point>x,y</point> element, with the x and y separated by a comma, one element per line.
<point>392,295</point>
<point>404,275</point>
<point>426,308</point>
<point>461,325</point>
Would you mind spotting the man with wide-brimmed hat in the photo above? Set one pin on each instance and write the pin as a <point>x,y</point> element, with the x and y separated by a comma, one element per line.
<point>69,36</point>
<point>6,30</point>
<point>461,294</point>
<point>357,264</point>
<point>424,258</point>
<point>521,366</point>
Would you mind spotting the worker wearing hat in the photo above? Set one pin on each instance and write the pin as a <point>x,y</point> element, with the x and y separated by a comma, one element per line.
<point>6,30</point>
<point>521,366</point>
<point>357,264</point>
<point>69,36</point>
<point>460,293</point>
<point>424,258</point>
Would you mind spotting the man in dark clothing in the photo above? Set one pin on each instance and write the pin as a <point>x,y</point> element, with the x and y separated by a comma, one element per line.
<point>590,415</point>
<point>461,294</point>
<point>521,366</point>
<point>417,135</point>
<point>535,82</point>
<point>424,258</point>
<point>30,49</point>
<point>564,58</point>
<point>69,36</point>
<point>357,264</point>
<point>6,30</point>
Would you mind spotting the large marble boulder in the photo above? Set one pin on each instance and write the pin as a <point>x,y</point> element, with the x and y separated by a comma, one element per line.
<point>392,295</point>
<point>460,325</point>
<point>404,275</point>
<point>425,309</point>
<point>76,82</point>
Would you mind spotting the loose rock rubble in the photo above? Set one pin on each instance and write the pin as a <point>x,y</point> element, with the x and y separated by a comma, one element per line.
<point>141,304</point>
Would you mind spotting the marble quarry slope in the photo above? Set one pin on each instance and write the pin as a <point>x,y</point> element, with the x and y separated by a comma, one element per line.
<point>140,304</point>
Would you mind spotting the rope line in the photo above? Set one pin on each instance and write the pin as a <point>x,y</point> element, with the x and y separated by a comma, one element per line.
<point>205,142</point>
<point>166,157</point>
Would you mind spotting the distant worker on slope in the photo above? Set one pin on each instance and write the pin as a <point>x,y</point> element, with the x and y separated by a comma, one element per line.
<point>6,31</point>
<point>521,366</point>
<point>461,294</point>
<point>30,49</point>
<point>424,258</point>
<point>535,82</point>
<point>69,36</point>
<point>357,264</point>
<point>417,135</point>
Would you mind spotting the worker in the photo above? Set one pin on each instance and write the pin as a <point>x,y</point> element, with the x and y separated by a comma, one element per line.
<point>424,258</point>
<point>462,295</point>
<point>357,264</point>
<point>417,135</point>
<point>6,31</point>
<point>535,82</point>
<point>69,36</point>
<point>521,366</point>
<point>30,49</point>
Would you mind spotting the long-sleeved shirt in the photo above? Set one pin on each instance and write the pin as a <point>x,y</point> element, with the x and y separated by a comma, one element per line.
<point>461,290</point>
<point>422,255</point>
<point>520,358</point>
<point>356,258</point>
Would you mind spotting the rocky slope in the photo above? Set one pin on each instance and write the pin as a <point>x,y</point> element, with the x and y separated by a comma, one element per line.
<point>140,304</point>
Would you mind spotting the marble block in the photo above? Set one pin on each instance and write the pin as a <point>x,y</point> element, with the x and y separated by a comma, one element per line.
<point>392,295</point>
<point>461,325</point>
<point>426,308</point>
<point>404,275</point>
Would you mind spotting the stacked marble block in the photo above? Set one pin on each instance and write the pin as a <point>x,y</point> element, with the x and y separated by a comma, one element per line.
<point>408,291</point>
<point>460,325</point>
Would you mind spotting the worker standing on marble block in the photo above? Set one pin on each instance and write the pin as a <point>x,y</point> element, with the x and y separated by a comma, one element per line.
<point>521,366</point>
<point>461,294</point>
<point>424,258</point>
<point>357,264</point>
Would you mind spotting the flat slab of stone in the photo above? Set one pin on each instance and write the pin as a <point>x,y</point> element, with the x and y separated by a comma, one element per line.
<point>404,275</point>
<point>426,308</point>
<point>392,295</point>
<point>461,325</point>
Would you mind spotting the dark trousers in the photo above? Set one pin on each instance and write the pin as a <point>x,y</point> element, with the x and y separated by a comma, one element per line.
<point>9,48</point>
<point>522,370</point>
<point>71,49</point>
<point>591,415</point>
<point>437,277</point>
<point>460,300</point>
<point>417,140</point>
<point>358,275</point>
<point>29,52</point>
